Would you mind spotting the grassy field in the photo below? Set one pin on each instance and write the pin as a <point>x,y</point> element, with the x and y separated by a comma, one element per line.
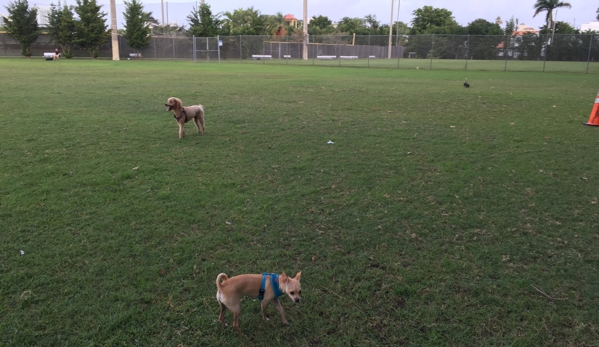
<point>440,216</point>
<point>436,64</point>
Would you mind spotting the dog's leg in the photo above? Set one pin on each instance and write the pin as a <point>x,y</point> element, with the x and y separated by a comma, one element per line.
<point>201,121</point>
<point>236,314</point>
<point>281,311</point>
<point>221,316</point>
<point>181,131</point>
<point>264,305</point>
<point>197,124</point>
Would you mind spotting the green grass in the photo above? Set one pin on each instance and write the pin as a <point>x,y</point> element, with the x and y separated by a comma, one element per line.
<point>436,218</point>
<point>437,64</point>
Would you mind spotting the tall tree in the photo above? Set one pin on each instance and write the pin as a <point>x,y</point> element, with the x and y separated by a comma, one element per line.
<point>548,6</point>
<point>240,22</point>
<point>91,29</point>
<point>483,27</point>
<point>510,26</point>
<point>61,28</point>
<point>320,25</point>
<point>349,25</point>
<point>21,24</point>
<point>202,22</point>
<point>137,26</point>
<point>371,22</point>
<point>429,20</point>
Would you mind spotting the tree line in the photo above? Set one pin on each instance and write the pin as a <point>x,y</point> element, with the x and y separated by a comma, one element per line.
<point>84,25</point>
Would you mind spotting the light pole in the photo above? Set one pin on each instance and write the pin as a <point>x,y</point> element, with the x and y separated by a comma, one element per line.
<point>114,34</point>
<point>305,50</point>
<point>390,31</point>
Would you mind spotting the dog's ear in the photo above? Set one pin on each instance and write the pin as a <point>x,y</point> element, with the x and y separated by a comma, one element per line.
<point>283,277</point>
<point>298,276</point>
<point>178,103</point>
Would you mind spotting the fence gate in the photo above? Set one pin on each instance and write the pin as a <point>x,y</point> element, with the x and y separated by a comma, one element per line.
<point>206,48</point>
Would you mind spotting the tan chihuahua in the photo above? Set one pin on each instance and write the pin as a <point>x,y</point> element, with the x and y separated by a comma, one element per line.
<point>267,287</point>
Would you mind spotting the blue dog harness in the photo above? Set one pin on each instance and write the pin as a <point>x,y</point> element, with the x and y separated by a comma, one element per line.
<point>274,283</point>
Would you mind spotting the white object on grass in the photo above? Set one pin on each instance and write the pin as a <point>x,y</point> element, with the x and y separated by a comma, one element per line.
<point>330,142</point>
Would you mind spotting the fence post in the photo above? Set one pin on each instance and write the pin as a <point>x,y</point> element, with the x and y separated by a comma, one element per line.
<point>589,56</point>
<point>399,50</point>
<point>194,48</point>
<point>546,52</point>
<point>467,52</point>
<point>218,46</point>
<point>240,48</point>
<point>432,49</point>
<point>506,51</point>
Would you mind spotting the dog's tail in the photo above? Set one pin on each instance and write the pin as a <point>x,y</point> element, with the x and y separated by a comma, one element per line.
<point>218,279</point>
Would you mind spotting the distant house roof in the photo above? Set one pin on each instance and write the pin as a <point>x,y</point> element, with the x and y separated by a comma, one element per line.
<point>594,26</point>
<point>289,17</point>
<point>523,29</point>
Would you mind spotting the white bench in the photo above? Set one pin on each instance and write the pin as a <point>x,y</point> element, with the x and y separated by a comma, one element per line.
<point>372,57</point>
<point>49,55</point>
<point>286,56</point>
<point>261,56</point>
<point>326,57</point>
<point>135,55</point>
<point>348,57</point>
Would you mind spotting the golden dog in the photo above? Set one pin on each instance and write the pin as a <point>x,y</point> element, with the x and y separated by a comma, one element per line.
<point>267,287</point>
<point>184,114</point>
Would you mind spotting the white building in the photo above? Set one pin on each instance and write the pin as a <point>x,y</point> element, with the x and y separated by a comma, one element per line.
<point>42,15</point>
<point>2,15</point>
<point>593,26</point>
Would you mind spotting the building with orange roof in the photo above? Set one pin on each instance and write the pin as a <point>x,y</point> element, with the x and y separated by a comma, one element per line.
<point>523,29</point>
<point>290,20</point>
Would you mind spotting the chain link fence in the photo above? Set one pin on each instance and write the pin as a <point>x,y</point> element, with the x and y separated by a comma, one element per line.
<point>529,52</point>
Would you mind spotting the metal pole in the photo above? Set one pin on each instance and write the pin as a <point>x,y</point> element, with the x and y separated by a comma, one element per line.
<point>218,45</point>
<point>467,52</point>
<point>240,54</point>
<point>589,56</point>
<point>114,32</point>
<point>391,30</point>
<point>194,49</point>
<point>162,7</point>
<point>505,51</point>
<point>305,24</point>
<point>397,26</point>
<point>432,48</point>
<point>207,50</point>
<point>546,51</point>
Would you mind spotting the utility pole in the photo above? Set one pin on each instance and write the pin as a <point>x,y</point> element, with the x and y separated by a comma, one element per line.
<point>114,34</point>
<point>305,53</point>
<point>162,6</point>
<point>391,30</point>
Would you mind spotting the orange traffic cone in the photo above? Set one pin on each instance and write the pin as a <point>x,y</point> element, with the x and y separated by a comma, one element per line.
<point>594,118</point>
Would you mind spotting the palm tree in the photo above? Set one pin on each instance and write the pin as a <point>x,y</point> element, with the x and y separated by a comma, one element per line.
<point>548,6</point>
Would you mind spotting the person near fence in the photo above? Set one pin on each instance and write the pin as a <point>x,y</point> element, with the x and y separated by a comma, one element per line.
<point>56,55</point>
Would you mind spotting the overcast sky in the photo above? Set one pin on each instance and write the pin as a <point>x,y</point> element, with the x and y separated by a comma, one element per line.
<point>464,11</point>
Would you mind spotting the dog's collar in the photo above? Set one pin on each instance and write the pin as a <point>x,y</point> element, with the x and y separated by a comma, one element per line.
<point>274,283</point>
<point>181,115</point>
